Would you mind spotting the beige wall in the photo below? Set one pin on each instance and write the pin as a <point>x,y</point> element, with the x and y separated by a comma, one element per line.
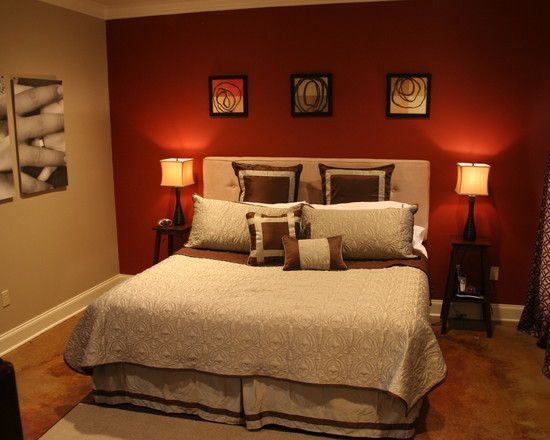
<point>57,245</point>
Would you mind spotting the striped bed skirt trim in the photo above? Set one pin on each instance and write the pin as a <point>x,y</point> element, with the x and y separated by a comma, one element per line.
<point>255,403</point>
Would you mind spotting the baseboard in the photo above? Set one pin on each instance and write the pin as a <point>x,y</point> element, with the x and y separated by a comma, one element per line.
<point>501,312</point>
<point>39,324</point>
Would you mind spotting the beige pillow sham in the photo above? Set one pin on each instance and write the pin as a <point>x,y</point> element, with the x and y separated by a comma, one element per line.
<point>379,234</point>
<point>221,225</point>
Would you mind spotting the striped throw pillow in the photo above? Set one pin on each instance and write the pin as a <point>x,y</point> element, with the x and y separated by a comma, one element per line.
<point>313,254</point>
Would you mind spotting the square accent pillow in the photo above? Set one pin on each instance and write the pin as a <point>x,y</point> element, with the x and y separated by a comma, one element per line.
<point>345,185</point>
<point>313,254</point>
<point>266,233</point>
<point>267,184</point>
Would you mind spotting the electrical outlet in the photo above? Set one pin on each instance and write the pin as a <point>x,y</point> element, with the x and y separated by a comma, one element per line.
<point>493,274</point>
<point>5,297</point>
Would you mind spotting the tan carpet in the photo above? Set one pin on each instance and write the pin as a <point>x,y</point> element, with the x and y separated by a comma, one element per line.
<point>495,390</point>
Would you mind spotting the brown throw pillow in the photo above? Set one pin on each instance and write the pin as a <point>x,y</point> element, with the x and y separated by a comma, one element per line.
<point>268,184</point>
<point>345,185</point>
<point>266,233</point>
<point>313,254</point>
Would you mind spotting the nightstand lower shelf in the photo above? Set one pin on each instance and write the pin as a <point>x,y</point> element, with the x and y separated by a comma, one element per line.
<point>480,247</point>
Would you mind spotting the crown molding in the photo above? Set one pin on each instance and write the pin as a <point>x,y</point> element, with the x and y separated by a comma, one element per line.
<point>150,8</point>
<point>88,7</point>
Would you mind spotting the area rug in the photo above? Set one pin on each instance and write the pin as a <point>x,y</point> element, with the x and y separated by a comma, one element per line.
<point>92,422</point>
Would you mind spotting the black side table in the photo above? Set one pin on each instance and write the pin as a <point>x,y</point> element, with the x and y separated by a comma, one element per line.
<point>480,247</point>
<point>170,231</point>
<point>10,418</point>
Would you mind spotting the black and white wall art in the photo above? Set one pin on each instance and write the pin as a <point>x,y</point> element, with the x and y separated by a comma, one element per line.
<point>40,134</point>
<point>6,170</point>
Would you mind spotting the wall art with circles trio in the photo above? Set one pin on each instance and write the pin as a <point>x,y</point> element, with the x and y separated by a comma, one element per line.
<point>408,95</point>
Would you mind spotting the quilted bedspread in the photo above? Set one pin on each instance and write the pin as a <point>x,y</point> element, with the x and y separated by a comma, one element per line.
<point>364,328</point>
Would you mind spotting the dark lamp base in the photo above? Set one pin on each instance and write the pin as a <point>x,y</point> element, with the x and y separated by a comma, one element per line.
<point>179,219</point>
<point>470,227</point>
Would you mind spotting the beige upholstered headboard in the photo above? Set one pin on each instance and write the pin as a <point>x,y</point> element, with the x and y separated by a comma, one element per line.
<point>410,179</point>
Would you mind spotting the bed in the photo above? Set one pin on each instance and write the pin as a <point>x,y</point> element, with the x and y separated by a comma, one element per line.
<point>347,353</point>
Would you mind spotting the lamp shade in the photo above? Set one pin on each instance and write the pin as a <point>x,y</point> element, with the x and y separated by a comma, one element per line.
<point>472,179</point>
<point>177,172</point>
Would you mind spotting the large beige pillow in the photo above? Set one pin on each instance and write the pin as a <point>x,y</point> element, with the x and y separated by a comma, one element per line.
<point>379,234</point>
<point>221,225</point>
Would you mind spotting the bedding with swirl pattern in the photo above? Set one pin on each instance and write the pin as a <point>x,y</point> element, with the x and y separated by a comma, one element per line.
<point>365,328</point>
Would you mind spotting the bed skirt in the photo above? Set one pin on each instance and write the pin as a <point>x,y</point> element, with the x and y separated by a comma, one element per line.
<point>257,402</point>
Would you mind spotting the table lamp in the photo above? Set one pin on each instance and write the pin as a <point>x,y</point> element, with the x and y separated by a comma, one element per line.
<point>472,180</point>
<point>177,173</point>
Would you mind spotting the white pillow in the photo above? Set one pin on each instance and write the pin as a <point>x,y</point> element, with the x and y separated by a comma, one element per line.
<point>365,205</point>
<point>277,205</point>
<point>418,239</point>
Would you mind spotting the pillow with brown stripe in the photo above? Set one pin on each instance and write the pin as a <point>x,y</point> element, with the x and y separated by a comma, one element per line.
<point>314,254</point>
<point>266,233</point>
<point>345,185</point>
<point>268,184</point>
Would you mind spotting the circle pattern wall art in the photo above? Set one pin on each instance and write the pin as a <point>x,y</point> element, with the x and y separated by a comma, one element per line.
<point>228,95</point>
<point>408,95</point>
<point>311,94</point>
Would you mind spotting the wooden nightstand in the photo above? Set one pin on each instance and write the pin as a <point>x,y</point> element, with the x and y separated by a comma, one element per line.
<point>459,247</point>
<point>170,231</point>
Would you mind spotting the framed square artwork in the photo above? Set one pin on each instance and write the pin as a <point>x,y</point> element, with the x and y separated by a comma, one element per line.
<point>408,95</point>
<point>311,94</point>
<point>228,95</point>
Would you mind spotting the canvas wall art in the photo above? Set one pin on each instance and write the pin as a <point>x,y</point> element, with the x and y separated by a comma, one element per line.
<point>311,94</point>
<point>228,95</point>
<point>6,170</point>
<point>40,133</point>
<point>408,95</point>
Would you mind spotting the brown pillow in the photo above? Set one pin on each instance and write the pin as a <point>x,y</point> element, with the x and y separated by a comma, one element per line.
<point>266,233</point>
<point>313,254</point>
<point>267,184</point>
<point>345,185</point>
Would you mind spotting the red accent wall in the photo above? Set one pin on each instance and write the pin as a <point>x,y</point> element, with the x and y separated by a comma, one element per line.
<point>490,103</point>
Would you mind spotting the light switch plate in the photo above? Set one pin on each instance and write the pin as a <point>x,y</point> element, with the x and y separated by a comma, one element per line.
<point>5,298</point>
<point>493,274</point>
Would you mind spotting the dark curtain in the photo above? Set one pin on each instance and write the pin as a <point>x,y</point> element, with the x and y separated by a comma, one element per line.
<point>536,314</point>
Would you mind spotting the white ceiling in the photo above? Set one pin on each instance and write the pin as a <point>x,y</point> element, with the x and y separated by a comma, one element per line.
<point>112,9</point>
